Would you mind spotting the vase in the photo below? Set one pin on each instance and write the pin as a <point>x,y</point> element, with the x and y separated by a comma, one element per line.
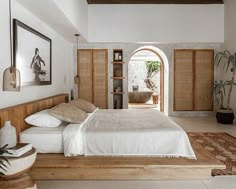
<point>118,72</point>
<point>8,135</point>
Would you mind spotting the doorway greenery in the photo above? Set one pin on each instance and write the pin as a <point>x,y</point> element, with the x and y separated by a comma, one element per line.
<point>153,67</point>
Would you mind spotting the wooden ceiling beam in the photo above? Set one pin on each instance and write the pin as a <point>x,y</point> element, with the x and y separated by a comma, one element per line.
<point>155,1</point>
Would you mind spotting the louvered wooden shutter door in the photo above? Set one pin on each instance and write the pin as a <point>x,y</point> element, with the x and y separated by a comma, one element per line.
<point>100,62</point>
<point>85,85</point>
<point>204,76</point>
<point>183,80</point>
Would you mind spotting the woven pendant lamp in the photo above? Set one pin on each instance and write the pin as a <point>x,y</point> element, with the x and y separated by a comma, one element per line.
<point>11,75</point>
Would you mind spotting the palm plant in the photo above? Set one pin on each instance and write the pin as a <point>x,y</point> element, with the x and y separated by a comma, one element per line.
<point>229,60</point>
<point>3,160</point>
<point>153,67</point>
<point>219,92</point>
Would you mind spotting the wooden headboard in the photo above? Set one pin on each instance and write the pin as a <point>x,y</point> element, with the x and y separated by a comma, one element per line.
<point>17,114</point>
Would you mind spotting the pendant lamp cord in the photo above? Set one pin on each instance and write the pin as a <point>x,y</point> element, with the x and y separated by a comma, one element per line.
<point>77,46</point>
<point>77,41</point>
<point>10,32</point>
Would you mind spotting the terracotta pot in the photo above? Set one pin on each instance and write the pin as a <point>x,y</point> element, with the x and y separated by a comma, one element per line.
<point>155,99</point>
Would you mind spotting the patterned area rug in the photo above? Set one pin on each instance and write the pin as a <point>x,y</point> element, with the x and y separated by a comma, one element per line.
<point>222,146</point>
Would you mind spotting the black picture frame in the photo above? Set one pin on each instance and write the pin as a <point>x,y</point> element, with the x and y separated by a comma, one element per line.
<point>32,55</point>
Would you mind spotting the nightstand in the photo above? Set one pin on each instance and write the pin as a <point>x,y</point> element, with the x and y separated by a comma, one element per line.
<point>21,182</point>
<point>20,165</point>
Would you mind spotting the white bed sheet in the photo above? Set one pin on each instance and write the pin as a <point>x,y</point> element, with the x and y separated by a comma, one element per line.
<point>132,132</point>
<point>73,137</point>
<point>45,140</point>
<point>135,132</point>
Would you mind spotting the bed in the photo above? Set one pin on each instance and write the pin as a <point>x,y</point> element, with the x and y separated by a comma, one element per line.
<point>55,166</point>
<point>45,140</point>
<point>127,132</point>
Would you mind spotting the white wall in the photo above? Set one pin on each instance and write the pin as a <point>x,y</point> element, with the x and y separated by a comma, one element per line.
<point>62,58</point>
<point>77,13</point>
<point>156,23</point>
<point>230,40</point>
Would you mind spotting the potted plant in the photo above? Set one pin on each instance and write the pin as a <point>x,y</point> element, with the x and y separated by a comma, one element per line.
<point>153,67</point>
<point>3,160</point>
<point>224,113</point>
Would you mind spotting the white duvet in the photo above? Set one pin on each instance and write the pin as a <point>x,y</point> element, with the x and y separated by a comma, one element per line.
<point>127,132</point>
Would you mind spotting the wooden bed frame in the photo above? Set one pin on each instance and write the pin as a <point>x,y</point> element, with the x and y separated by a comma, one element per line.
<point>17,114</point>
<point>56,166</point>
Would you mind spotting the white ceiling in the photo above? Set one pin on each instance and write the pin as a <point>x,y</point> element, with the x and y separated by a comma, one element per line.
<point>51,14</point>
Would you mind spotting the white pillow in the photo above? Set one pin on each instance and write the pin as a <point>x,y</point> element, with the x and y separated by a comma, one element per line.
<point>43,119</point>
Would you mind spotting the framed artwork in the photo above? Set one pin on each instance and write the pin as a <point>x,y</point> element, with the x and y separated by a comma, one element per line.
<point>32,55</point>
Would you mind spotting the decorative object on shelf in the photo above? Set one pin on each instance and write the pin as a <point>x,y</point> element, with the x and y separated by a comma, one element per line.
<point>135,88</point>
<point>117,55</point>
<point>32,55</point>
<point>224,113</point>
<point>118,89</point>
<point>117,72</point>
<point>8,135</point>
<point>11,75</point>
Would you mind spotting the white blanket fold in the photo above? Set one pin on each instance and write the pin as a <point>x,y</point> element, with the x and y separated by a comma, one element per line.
<point>128,132</point>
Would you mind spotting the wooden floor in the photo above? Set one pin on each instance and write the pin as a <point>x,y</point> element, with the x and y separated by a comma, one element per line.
<point>56,166</point>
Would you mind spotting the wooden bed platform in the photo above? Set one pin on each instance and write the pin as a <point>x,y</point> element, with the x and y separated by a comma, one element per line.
<point>56,166</point>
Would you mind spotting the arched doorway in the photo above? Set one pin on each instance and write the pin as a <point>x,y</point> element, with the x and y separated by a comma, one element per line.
<point>164,74</point>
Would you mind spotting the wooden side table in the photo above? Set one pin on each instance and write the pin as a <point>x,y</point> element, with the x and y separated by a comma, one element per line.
<point>20,165</point>
<point>21,182</point>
